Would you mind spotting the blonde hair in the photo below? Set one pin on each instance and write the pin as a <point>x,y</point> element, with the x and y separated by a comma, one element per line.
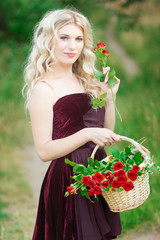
<point>41,56</point>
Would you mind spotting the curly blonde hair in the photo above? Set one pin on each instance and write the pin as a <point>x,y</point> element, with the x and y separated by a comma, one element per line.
<point>41,56</point>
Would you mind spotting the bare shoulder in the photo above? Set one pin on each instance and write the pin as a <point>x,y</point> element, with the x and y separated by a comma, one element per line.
<point>41,95</point>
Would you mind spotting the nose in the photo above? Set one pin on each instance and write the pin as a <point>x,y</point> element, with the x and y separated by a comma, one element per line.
<point>72,44</point>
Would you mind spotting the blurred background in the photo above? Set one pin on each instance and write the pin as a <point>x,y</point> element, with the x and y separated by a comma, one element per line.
<point>131,31</point>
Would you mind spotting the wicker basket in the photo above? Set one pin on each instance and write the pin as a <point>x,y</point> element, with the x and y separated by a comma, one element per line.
<point>126,200</point>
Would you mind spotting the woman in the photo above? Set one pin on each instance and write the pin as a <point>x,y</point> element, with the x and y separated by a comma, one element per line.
<point>59,86</point>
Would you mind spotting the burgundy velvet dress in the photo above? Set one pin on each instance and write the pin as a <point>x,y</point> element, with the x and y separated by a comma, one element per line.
<point>74,217</point>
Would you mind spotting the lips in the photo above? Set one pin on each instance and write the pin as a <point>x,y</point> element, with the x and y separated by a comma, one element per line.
<point>70,54</point>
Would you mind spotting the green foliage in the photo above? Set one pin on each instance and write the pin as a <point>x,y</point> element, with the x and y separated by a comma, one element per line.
<point>71,163</point>
<point>99,102</point>
<point>25,15</point>
<point>3,205</point>
<point>115,152</point>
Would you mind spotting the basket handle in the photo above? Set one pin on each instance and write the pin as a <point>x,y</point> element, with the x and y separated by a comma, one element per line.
<point>144,151</point>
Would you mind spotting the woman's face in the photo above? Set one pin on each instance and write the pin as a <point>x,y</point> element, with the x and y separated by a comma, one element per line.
<point>69,44</point>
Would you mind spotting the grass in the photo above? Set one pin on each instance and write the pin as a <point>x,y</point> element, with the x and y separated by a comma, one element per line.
<point>141,112</point>
<point>17,209</point>
<point>17,206</point>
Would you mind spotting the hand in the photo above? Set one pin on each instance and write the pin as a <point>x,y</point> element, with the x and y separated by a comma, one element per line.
<point>107,88</point>
<point>101,136</point>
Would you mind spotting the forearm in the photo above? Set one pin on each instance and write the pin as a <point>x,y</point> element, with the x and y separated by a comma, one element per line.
<point>109,121</point>
<point>60,147</point>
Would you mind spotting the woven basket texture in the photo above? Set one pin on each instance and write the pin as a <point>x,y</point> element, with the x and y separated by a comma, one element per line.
<point>126,200</point>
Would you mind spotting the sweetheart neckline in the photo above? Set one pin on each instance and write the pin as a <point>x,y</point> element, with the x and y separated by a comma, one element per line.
<point>68,95</point>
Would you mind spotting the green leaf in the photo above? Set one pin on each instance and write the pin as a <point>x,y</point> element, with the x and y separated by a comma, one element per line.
<point>82,192</point>
<point>94,106</point>
<point>139,173</point>
<point>83,188</point>
<point>71,163</point>
<point>115,152</point>
<point>78,168</point>
<point>98,75</point>
<point>127,151</point>
<point>97,163</point>
<point>103,95</point>
<point>122,156</point>
<point>90,169</point>
<point>111,73</point>
<point>137,158</point>
<point>94,100</point>
<point>90,162</point>
<point>112,82</point>
<point>85,171</point>
<point>102,164</point>
<point>131,162</point>
<point>102,78</point>
<point>101,104</point>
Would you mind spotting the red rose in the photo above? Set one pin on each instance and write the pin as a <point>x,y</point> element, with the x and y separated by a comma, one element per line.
<point>106,52</point>
<point>107,174</point>
<point>122,179</point>
<point>102,45</point>
<point>98,176</point>
<point>105,184</point>
<point>94,49</point>
<point>71,189</point>
<point>90,183</point>
<point>128,186</point>
<point>91,192</point>
<point>97,190</point>
<point>120,173</point>
<point>98,183</point>
<point>110,177</point>
<point>86,179</point>
<point>117,166</point>
<point>135,168</point>
<point>115,184</point>
<point>132,175</point>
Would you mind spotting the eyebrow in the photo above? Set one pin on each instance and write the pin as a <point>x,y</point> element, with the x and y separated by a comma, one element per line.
<point>69,36</point>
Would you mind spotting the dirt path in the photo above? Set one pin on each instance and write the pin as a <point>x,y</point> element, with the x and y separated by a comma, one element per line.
<point>36,170</point>
<point>131,67</point>
<point>151,235</point>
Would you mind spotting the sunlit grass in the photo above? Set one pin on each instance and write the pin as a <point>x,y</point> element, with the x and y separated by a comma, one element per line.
<point>16,197</point>
<point>138,101</point>
<point>17,209</point>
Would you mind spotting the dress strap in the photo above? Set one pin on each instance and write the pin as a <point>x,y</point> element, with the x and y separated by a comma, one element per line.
<point>50,87</point>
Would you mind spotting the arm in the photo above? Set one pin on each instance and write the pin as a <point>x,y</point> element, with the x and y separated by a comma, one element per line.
<point>109,120</point>
<point>41,114</point>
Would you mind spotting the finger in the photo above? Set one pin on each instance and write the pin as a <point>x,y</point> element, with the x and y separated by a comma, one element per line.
<point>106,79</point>
<point>105,70</point>
<point>109,141</point>
<point>118,80</point>
<point>116,137</point>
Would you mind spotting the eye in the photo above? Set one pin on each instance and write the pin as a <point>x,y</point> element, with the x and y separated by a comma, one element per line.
<point>79,39</point>
<point>63,38</point>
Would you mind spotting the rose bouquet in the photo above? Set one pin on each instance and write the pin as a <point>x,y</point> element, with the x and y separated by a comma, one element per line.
<point>102,57</point>
<point>118,173</point>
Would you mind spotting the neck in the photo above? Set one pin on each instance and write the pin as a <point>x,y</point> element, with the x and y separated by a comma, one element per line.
<point>61,70</point>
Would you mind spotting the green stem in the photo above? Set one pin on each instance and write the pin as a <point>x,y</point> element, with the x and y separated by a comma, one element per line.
<point>115,105</point>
